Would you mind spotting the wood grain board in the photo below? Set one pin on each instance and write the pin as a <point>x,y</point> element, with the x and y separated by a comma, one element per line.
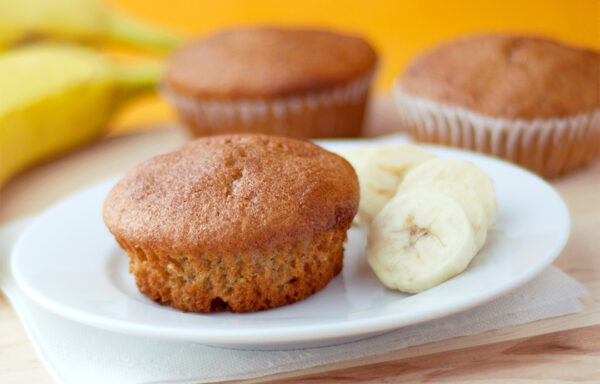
<point>564,349</point>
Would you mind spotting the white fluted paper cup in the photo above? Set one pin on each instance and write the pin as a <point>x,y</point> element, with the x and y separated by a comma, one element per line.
<point>550,147</point>
<point>335,112</point>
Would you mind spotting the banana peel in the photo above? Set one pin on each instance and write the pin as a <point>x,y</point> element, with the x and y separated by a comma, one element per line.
<point>78,20</point>
<point>59,97</point>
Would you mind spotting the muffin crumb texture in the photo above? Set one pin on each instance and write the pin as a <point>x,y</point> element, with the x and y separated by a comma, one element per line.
<point>240,282</point>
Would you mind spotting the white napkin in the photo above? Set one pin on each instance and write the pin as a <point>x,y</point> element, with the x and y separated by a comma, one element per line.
<point>76,353</point>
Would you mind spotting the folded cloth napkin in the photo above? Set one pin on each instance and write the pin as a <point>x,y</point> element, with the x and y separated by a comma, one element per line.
<point>76,353</point>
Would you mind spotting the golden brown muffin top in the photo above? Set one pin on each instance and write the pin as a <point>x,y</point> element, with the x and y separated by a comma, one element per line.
<point>267,63</point>
<point>233,193</point>
<point>508,76</point>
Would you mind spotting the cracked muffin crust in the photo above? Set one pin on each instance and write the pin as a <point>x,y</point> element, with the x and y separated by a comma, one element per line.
<point>508,76</point>
<point>238,222</point>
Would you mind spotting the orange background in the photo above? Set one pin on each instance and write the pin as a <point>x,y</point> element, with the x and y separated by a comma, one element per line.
<point>399,29</point>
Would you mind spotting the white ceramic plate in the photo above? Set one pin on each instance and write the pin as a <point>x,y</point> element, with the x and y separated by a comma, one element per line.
<point>69,262</point>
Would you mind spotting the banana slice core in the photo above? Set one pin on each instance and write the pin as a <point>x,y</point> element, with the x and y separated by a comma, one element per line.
<point>420,239</point>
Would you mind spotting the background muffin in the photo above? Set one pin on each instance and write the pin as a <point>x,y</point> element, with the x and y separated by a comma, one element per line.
<point>530,100</point>
<point>294,82</point>
<point>238,223</point>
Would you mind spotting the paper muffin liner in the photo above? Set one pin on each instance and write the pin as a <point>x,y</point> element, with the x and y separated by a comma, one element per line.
<point>336,112</point>
<point>549,147</point>
<point>244,281</point>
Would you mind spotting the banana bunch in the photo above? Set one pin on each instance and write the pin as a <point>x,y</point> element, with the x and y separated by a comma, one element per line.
<point>57,97</point>
<point>79,20</point>
<point>427,217</point>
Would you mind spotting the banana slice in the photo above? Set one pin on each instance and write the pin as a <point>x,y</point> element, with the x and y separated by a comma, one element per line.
<point>382,173</point>
<point>419,240</point>
<point>469,201</point>
<point>460,172</point>
<point>358,156</point>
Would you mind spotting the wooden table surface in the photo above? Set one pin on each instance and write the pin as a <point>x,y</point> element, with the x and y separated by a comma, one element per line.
<point>563,349</point>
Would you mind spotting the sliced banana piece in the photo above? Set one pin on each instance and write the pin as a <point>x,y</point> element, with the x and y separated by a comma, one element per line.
<point>384,170</point>
<point>469,201</point>
<point>419,240</point>
<point>358,156</point>
<point>455,171</point>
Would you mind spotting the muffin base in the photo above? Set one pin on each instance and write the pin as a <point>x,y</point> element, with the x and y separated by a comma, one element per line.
<point>549,147</point>
<point>243,282</point>
<point>336,112</point>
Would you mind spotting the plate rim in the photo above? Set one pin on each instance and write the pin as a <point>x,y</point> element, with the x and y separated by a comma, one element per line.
<point>302,333</point>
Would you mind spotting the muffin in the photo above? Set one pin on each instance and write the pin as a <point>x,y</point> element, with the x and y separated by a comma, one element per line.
<point>293,82</point>
<point>234,223</point>
<point>530,100</point>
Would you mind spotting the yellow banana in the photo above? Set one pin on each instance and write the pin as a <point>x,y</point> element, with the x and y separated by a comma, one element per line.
<point>57,97</point>
<point>80,20</point>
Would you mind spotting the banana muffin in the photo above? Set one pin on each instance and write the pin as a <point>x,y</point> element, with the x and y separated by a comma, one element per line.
<point>293,82</point>
<point>234,223</point>
<point>530,100</point>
